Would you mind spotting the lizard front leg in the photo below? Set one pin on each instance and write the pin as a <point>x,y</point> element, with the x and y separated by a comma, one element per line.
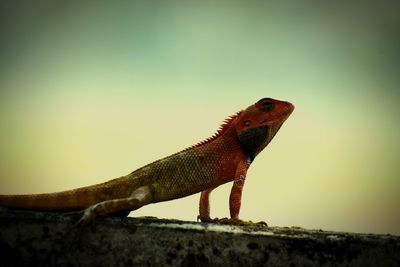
<point>137,199</point>
<point>204,206</point>
<point>235,198</point>
<point>234,202</point>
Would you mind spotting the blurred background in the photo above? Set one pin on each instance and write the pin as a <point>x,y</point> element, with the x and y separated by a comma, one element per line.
<point>92,91</point>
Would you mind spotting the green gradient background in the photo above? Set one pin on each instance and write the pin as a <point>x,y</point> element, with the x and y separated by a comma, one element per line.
<point>93,91</point>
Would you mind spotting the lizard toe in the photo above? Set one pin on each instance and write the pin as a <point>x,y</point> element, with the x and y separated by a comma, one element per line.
<point>88,218</point>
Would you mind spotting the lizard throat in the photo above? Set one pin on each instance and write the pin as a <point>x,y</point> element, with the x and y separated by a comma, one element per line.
<point>254,140</point>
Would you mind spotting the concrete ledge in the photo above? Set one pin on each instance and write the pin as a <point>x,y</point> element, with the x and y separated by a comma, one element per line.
<point>30,238</point>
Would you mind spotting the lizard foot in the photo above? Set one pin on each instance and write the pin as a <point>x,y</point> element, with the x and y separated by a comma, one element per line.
<point>206,219</point>
<point>88,218</point>
<point>232,221</point>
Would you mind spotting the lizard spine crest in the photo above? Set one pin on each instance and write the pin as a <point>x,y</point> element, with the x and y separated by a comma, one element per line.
<point>222,128</point>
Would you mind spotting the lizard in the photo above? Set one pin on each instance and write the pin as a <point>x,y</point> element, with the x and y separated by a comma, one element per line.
<point>224,157</point>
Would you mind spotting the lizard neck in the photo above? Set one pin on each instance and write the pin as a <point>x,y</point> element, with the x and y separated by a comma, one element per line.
<point>230,144</point>
<point>235,141</point>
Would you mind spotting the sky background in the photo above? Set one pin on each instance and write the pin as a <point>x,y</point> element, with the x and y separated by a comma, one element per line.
<point>93,91</point>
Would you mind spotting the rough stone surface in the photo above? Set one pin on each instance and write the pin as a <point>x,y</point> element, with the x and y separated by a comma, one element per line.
<point>30,238</point>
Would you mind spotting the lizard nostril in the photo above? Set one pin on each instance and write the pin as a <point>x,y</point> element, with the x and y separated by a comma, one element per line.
<point>247,123</point>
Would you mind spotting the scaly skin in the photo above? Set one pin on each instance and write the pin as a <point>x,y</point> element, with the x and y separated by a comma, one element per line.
<point>222,158</point>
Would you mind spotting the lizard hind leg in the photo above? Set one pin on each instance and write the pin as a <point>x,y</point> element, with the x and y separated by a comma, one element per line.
<point>140,197</point>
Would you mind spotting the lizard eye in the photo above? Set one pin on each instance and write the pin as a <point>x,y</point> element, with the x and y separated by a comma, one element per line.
<point>267,106</point>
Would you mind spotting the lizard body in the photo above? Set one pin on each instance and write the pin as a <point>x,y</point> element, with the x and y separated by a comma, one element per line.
<point>222,158</point>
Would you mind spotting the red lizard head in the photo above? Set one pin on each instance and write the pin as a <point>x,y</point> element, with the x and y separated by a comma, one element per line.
<point>258,124</point>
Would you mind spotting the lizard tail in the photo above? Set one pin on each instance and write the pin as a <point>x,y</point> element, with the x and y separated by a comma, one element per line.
<point>60,201</point>
<point>70,200</point>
